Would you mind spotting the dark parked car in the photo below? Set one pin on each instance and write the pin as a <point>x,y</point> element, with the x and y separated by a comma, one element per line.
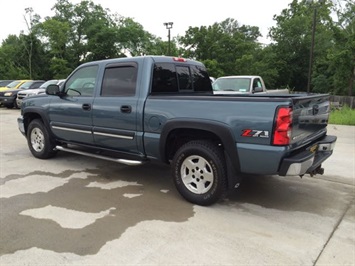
<point>8,97</point>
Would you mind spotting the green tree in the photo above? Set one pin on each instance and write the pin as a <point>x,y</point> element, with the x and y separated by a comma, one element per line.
<point>225,43</point>
<point>55,37</point>
<point>92,33</point>
<point>23,56</point>
<point>341,57</point>
<point>14,57</point>
<point>12,64</point>
<point>133,39</point>
<point>30,38</point>
<point>292,41</point>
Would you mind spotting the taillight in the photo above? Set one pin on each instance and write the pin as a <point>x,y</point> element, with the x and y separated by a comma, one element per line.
<point>283,125</point>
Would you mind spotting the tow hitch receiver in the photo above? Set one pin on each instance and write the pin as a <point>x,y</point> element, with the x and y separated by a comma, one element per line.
<point>318,170</point>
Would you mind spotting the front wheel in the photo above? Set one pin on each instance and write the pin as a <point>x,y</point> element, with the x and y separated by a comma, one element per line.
<point>9,105</point>
<point>199,172</point>
<point>39,142</point>
<point>16,105</point>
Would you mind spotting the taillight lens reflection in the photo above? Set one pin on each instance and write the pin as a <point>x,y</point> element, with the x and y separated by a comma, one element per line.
<point>283,126</point>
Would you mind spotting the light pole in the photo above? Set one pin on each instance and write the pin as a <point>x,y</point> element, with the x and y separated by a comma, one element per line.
<point>312,43</point>
<point>168,26</point>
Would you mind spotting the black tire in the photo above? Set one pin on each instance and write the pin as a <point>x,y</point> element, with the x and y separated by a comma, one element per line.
<point>15,105</point>
<point>199,172</point>
<point>39,141</point>
<point>9,106</point>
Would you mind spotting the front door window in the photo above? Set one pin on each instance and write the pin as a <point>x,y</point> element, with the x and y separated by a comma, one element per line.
<point>82,82</point>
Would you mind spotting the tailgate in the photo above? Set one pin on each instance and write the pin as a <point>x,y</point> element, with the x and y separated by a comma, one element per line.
<point>310,117</point>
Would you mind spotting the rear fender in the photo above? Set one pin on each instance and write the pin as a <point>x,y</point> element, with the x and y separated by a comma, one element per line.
<point>220,130</point>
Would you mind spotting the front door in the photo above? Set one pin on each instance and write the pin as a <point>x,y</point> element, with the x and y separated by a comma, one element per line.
<point>71,114</point>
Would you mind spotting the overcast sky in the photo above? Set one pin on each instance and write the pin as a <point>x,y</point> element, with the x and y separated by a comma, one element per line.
<point>152,14</point>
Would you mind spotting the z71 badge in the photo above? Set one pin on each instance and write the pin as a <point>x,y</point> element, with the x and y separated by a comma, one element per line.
<point>253,133</point>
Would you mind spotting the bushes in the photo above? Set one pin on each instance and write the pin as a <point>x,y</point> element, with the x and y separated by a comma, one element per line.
<point>343,116</point>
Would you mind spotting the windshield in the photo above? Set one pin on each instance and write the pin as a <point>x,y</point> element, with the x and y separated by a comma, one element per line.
<point>49,82</point>
<point>3,83</point>
<point>13,84</point>
<point>232,84</point>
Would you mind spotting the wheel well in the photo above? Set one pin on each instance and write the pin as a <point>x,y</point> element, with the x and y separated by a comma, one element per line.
<point>30,117</point>
<point>179,137</point>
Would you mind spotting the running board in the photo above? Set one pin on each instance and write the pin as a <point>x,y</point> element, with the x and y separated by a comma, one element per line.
<point>123,161</point>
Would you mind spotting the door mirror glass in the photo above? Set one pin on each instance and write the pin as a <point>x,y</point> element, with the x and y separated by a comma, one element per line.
<point>52,89</point>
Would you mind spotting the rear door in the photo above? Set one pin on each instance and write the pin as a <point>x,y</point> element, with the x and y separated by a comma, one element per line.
<point>71,115</point>
<point>115,110</point>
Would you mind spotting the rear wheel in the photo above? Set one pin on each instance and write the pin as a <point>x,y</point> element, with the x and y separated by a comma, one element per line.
<point>39,142</point>
<point>199,172</point>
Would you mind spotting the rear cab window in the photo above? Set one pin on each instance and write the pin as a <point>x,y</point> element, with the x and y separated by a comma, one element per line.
<point>176,78</point>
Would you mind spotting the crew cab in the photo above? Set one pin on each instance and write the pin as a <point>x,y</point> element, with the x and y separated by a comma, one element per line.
<point>156,108</point>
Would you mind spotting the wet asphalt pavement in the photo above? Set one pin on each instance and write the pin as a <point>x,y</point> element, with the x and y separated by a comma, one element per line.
<point>76,210</point>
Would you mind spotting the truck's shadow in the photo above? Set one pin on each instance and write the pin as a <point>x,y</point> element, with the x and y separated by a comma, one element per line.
<point>309,194</point>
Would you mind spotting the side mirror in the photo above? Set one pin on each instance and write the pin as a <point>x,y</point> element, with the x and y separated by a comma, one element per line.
<point>53,89</point>
<point>258,89</point>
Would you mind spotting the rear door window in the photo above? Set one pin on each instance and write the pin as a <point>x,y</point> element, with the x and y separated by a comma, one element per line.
<point>119,80</point>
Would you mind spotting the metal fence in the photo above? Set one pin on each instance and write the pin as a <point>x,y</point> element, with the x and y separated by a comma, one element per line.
<point>343,100</point>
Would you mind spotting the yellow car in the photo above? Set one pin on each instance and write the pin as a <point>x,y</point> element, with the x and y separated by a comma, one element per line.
<point>13,85</point>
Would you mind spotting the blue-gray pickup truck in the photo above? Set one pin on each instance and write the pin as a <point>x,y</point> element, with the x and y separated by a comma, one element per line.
<point>140,109</point>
